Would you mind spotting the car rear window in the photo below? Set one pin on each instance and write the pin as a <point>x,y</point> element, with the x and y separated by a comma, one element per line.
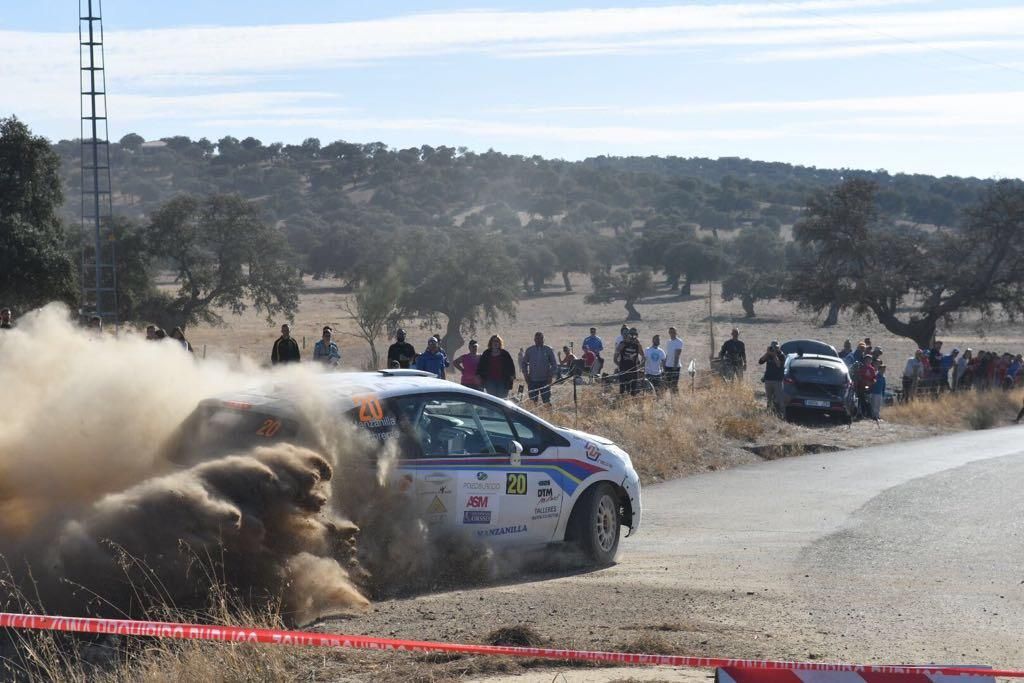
<point>220,429</point>
<point>817,373</point>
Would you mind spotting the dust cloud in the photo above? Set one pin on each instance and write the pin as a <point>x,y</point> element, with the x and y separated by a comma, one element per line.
<point>93,521</point>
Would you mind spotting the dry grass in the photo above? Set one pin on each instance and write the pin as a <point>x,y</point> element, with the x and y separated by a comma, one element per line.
<point>672,435</point>
<point>960,411</point>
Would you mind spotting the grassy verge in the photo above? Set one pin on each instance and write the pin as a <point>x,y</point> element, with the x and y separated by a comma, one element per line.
<point>960,411</point>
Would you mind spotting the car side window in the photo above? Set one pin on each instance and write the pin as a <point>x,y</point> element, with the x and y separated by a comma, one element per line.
<point>534,437</point>
<point>445,427</point>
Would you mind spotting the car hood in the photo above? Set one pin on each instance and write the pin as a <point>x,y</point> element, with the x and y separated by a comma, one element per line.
<point>586,437</point>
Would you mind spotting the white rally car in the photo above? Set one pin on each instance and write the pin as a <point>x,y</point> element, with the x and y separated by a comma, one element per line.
<point>468,461</point>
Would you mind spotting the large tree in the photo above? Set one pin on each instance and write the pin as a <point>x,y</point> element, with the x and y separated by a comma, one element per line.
<point>910,279</point>
<point>35,266</point>
<point>757,268</point>
<point>464,276</point>
<point>223,256</point>
<point>628,287</point>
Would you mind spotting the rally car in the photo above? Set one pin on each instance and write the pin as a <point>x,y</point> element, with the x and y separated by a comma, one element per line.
<point>468,461</point>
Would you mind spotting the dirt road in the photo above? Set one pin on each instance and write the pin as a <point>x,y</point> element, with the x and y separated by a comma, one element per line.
<point>907,552</point>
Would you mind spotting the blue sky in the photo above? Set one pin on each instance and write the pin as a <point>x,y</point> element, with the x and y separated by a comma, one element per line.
<point>933,86</point>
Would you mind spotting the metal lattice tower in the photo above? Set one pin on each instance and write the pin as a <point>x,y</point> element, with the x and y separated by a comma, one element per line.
<point>99,265</point>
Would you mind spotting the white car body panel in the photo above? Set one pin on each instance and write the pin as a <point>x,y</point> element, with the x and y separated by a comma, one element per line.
<point>500,497</point>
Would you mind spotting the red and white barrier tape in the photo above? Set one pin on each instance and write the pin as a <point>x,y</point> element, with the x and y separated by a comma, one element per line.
<point>238,634</point>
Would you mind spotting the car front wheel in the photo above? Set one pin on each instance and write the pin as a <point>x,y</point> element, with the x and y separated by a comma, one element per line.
<point>597,524</point>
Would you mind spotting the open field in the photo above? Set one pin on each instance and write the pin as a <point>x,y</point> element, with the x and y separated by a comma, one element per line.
<point>564,318</point>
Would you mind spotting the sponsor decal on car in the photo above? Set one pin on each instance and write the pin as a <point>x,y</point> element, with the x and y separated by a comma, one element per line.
<point>544,482</point>
<point>592,451</point>
<point>544,512</point>
<point>436,507</point>
<point>477,501</point>
<point>481,476</point>
<point>503,531</point>
<point>476,516</point>
<point>515,483</point>
<point>492,486</point>
<point>437,482</point>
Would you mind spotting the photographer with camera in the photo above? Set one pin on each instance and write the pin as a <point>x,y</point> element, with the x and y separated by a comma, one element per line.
<point>774,363</point>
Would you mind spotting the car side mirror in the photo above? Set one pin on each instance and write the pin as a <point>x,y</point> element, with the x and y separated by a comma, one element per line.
<point>515,451</point>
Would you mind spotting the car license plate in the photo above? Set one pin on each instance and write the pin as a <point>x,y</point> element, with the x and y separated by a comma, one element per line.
<point>816,404</point>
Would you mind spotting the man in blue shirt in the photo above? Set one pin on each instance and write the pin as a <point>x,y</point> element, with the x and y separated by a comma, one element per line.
<point>594,343</point>
<point>432,360</point>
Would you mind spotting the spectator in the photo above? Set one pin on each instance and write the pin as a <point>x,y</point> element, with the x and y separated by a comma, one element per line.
<point>401,352</point>
<point>159,334</point>
<point>433,360</point>
<point>946,364</point>
<point>178,335</point>
<point>912,373</point>
<point>628,357</point>
<point>876,353</point>
<point>496,369</point>
<point>935,358</point>
<point>590,361</point>
<point>774,369</point>
<point>593,342</point>
<point>864,375</point>
<point>1012,372</point>
<point>96,325</point>
<point>847,349</point>
<point>869,348</point>
<point>623,334</point>
<point>673,360</point>
<point>285,349</point>
<point>878,393</point>
<point>467,364</point>
<point>325,350</point>
<point>6,322</point>
<point>150,332</point>
<point>855,356</point>
<point>734,354</point>
<point>960,371</point>
<point>654,363</point>
<point>566,358</point>
<point>539,367</point>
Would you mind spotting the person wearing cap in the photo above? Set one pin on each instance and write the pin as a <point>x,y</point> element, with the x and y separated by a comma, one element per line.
<point>734,353</point>
<point>539,366</point>
<point>432,360</point>
<point>774,364</point>
<point>285,349</point>
<point>401,352</point>
<point>325,350</point>
<point>628,358</point>
<point>467,364</point>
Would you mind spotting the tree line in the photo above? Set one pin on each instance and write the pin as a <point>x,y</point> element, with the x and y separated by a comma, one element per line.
<point>455,238</point>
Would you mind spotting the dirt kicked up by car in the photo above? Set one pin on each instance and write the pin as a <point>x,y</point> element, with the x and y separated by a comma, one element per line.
<point>468,462</point>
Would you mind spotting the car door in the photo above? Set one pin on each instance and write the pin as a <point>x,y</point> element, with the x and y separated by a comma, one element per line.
<point>455,466</point>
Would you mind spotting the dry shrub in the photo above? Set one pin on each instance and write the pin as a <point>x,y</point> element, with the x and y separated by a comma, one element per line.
<point>648,644</point>
<point>960,410</point>
<point>670,435</point>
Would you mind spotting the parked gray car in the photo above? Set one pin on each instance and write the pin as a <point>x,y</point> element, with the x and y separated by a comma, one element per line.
<point>816,383</point>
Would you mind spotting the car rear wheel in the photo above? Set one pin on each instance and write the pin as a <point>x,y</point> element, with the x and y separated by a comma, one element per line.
<point>596,524</point>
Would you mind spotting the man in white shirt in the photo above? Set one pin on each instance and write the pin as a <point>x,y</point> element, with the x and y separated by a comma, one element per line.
<point>673,360</point>
<point>654,366</point>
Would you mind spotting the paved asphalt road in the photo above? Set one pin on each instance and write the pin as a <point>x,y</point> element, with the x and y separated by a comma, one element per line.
<point>905,552</point>
<point>909,552</point>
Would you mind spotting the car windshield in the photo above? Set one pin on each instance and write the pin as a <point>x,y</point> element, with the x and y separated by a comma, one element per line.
<point>811,372</point>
